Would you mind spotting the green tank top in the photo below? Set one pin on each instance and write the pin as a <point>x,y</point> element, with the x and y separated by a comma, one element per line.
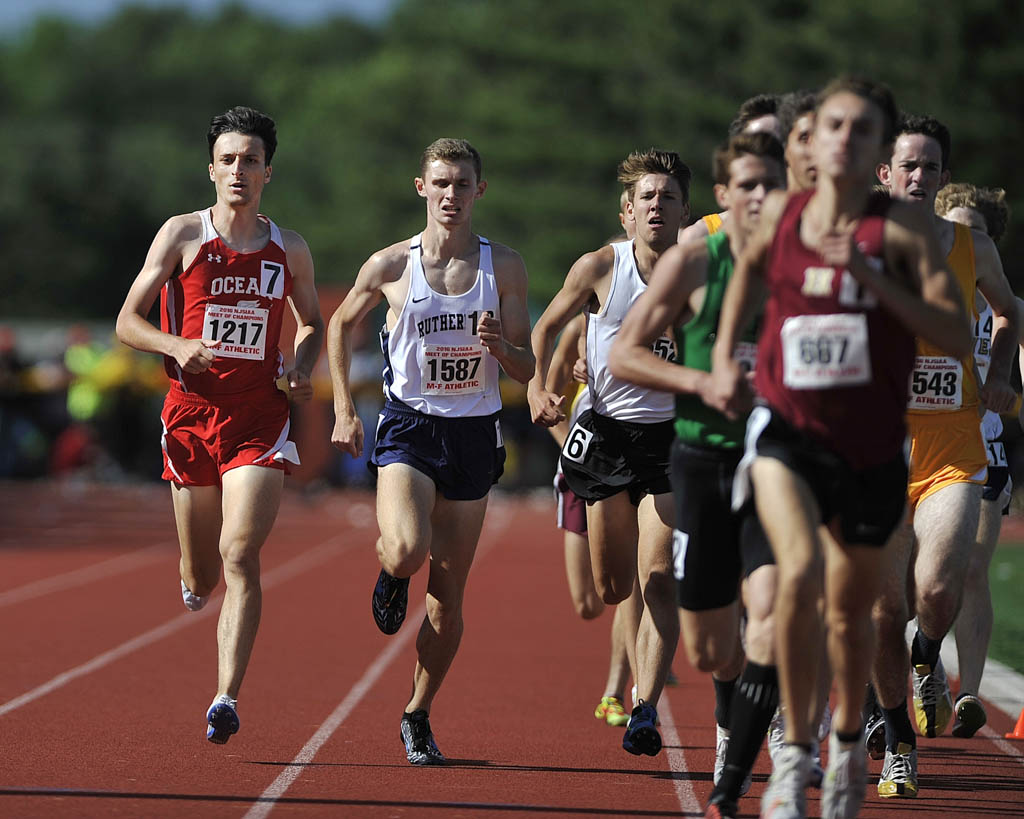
<point>696,423</point>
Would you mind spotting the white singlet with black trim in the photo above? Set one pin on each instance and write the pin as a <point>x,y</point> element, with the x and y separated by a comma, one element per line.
<point>433,359</point>
<point>613,397</point>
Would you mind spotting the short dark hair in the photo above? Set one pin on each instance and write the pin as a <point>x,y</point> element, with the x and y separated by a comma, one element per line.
<point>793,106</point>
<point>929,127</point>
<point>989,202</point>
<point>875,92</point>
<point>756,107</point>
<point>761,144</point>
<point>244,120</point>
<point>447,149</point>
<point>653,160</point>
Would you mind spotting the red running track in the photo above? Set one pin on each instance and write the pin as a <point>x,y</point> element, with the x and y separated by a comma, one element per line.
<point>105,680</point>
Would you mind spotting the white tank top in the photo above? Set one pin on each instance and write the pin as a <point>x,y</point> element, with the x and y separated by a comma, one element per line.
<point>433,360</point>
<point>613,397</point>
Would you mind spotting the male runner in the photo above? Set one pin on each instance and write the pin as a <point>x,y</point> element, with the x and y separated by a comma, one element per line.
<point>456,313</point>
<point>616,454</point>
<point>948,466</point>
<point>850,278</point>
<point>713,548</point>
<point>223,276</point>
<point>796,120</point>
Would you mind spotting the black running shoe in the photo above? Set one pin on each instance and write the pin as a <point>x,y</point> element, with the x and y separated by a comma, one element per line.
<point>874,735</point>
<point>221,722</point>
<point>420,748</point>
<point>720,807</point>
<point>390,599</point>
<point>642,735</point>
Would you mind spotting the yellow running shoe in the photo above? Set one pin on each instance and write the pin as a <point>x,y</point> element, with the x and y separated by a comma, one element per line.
<point>933,705</point>
<point>611,711</point>
<point>899,774</point>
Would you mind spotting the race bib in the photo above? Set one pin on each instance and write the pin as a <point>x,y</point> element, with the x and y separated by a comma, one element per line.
<point>996,453</point>
<point>936,383</point>
<point>453,369</point>
<point>577,443</point>
<point>664,348</point>
<point>819,352</point>
<point>241,331</point>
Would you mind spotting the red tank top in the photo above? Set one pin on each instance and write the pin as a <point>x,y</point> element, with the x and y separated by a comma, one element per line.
<point>831,360</point>
<point>238,298</point>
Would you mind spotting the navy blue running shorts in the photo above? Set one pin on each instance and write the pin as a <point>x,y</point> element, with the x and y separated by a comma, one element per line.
<point>868,503</point>
<point>713,548</point>
<point>464,457</point>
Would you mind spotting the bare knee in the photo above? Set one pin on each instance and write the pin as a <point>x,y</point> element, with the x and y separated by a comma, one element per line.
<point>445,617</point>
<point>402,555</point>
<point>612,589</point>
<point>760,639</point>
<point>241,562</point>
<point>589,606</point>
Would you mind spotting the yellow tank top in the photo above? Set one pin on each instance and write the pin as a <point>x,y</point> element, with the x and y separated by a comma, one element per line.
<point>714,223</point>
<point>939,382</point>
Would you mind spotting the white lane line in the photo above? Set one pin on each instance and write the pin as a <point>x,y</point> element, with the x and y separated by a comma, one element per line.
<point>1006,747</point>
<point>86,574</point>
<point>279,786</point>
<point>285,571</point>
<point>688,801</point>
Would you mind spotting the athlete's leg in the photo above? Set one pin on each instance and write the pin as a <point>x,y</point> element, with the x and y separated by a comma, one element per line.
<point>405,500</point>
<point>890,666</point>
<point>974,623</point>
<point>612,530</point>
<point>658,633</point>
<point>251,498</point>
<point>791,519</point>
<point>456,530</point>
<point>618,661</point>
<point>197,516</point>
<point>710,639</point>
<point>587,601</point>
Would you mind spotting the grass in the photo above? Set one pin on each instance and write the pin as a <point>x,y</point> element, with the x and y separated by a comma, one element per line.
<point>1006,576</point>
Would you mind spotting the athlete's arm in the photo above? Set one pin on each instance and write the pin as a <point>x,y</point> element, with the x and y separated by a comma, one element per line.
<point>578,289</point>
<point>165,257</point>
<point>560,372</point>
<point>507,336</point>
<point>696,232</point>
<point>367,292</point>
<point>309,335</point>
<point>996,393</point>
<point>933,308</point>
<point>679,272</point>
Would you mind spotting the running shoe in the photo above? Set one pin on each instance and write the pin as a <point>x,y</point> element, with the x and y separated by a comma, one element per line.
<point>420,748</point>
<point>899,774</point>
<point>784,798</point>
<point>642,735</point>
<point>721,749</point>
<point>777,741</point>
<point>193,602</point>
<point>611,711</point>
<point>221,720</point>
<point>969,716</point>
<point>845,778</point>
<point>719,807</point>
<point>390,599</point>
<point>933,705</point>
<point>874,735</point>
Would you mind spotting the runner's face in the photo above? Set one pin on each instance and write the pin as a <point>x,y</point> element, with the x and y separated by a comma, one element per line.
<point>750,180</point>
<point>239,170</point>
<point>966,216</point>
<point>799,154</point>
<point>915,171</point>
<point>450,189</point>
<point>657,209</point>
<point>847,141</point>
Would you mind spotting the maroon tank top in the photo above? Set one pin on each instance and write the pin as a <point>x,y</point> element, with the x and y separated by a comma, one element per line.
<point>831,360</point>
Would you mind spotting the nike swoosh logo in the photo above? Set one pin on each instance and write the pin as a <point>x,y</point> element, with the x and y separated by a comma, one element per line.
<point>421,298</point>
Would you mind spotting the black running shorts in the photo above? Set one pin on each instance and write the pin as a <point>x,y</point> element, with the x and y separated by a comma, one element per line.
<point>712,546</point>
<point>602,457</point>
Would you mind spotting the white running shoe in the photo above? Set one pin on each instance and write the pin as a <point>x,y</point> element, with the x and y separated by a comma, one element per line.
<point>193,602</point>
<point>784,798</point>
<point>845,779</point>
<point>721,749</point>
<point>776,734</point>
<point>933,705</point>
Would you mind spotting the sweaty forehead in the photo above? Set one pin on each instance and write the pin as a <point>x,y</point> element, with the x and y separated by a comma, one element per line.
<point>451,169</point>
<point>233,142</point>
<point>657,182</point>
<point>917,147</point>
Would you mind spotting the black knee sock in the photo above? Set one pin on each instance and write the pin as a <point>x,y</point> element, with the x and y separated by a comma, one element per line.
<point>757,697</point>
<point>924,650</point>
<point>898,728</point>
<point>724,690</point>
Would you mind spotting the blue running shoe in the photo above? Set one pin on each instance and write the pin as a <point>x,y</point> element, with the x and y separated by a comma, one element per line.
<point>390,599</point>
<point>420,748</point>
<point>222,721</point>
<point>641,735</point>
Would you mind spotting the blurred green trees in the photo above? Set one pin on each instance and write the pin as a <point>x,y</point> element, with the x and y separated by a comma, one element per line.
<point>102,129</point>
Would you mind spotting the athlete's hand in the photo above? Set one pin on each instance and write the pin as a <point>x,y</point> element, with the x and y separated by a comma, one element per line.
<point>488,330</point>
<point>300,388</point>
<point>545,406</point>
<point>997,396</point>
<point>348,433</point>
<point>838,249</point>
<point>579,370</point>
<point>195,355</point>
<point>728,390</point>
